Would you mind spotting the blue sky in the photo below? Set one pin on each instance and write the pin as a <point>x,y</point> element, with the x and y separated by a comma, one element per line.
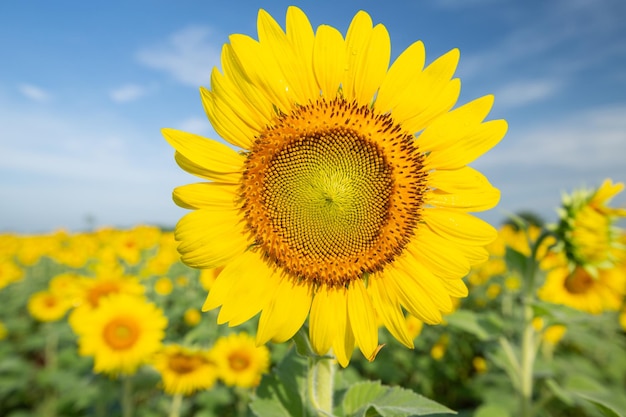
<point>85,88</point>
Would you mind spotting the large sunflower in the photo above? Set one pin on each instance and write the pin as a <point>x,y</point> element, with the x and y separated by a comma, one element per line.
<point>349,195</point>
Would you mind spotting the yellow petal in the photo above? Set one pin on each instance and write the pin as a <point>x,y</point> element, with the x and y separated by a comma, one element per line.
<point>244,87</point>
<point>210,238</point>
<point>273,39</point>
<point>362,318</point>
<point>411,295</point>
<point>301,36</point>
<point>262,70</point>
<point>439,104</point>
<point>327,305</point>
<point>206,195</point>
<point>388,308</point>
<point>403,71</point>
<point>209,154</point>
<point>459,137</point>
<point>367,58</point>
<point>440,256</point>
<point>285,313</point>
<point>428,94</point>
<point>329,60</point>
<point>344,346</point>
<point>459,227</point>
<point>254,285</point>
<point>226,121</point>
<point>431,285</point>
<point>232,178</point>
<point>256,118</point>
<point>465,200</point>
<point>456,287</point>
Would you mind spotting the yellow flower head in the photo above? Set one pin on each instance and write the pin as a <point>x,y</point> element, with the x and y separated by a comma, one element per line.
<point>94,290</point>
<point>587,227</point>
<point>577,288</point>
<point>163,286</point>
<point>349,195</point>
<point>192,316</point>
<point>240,362</point>
<point>48,306</point>
<point>10,272</point>
<point>121,333</point>
<point>185,370</point>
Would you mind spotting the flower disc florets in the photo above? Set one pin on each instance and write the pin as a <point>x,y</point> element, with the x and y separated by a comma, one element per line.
<point>332,191</point>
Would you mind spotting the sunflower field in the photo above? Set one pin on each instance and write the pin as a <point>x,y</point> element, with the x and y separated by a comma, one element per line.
<point>330,264</point>
<point>110,323</point>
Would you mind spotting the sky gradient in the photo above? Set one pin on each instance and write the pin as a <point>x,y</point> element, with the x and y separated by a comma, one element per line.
<point>86,87</point>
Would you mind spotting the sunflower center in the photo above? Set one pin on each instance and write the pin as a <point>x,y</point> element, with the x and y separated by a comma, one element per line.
<point>121,333</point>
<point>184,364</point>
<point>579,281</point>
<point>238,362</point>
<point>333,191</point>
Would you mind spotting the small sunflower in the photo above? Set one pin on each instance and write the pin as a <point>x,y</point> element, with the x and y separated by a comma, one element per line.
<point>576,287</point>
<point>48,306</point>
<point>349,196</point>
<point>94,290</point>
<point>121,333</point>
<point>185,370</point>
<point>240,362</point>
<point>588,230</point>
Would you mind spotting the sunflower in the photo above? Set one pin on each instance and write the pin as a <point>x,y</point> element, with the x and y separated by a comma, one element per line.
<point>348,196</point>
<point>94,290</point>
<point>239,361</point>
<point>184,370</point>
<point>576,287</point>
<point>587,227</point>
<point>48,306</point>
<point>121,333</point>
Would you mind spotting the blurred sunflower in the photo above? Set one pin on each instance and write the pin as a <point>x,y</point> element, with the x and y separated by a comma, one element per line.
<point>350,196</point>
<point>240,362</point>
<point>588,230</point>
<point>577,288</point>
<point>48,306</point>
<point>184,370</point>
<point>121,333</point>
<point>94,290</point>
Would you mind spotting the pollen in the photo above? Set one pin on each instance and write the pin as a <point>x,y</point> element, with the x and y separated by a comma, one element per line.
<point>332,191</point>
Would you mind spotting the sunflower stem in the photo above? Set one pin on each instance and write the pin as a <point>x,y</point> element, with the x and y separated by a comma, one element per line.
<point>127,397</point>
<point>52,343</point>
<point>177,402</point>
<point>320,383</point>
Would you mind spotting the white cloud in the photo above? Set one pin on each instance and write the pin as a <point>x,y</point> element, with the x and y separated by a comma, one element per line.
<point>555,39</point>
<point>128,92</point>
<point>34,93</point>
<point>521,93</point>
<point>196,125</point>
<point>188,55</point>
<point>592,140</point>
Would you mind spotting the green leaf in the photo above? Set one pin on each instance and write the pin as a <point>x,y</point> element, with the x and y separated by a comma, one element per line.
<point>516,261</point>
<point>282,393</point>
<point>601,405</point>
<point>361,394</point>
<point>469,322</point>
<point>491,410</point>
<point>369,399</point>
